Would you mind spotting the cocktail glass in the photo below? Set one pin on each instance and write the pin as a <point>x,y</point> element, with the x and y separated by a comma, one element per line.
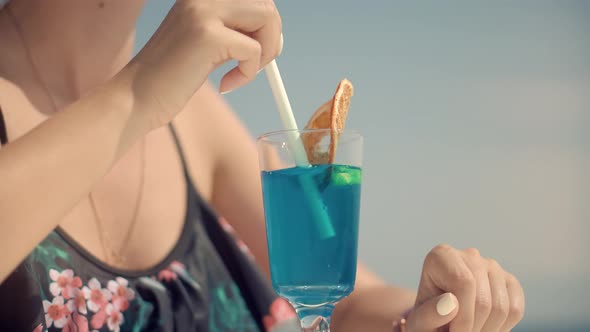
<point>312,220</point>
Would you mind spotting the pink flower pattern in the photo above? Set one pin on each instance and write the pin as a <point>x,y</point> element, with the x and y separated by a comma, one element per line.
<point>115,318</point>
<point>56,313</point>
<point>98,319</point>
<point>97,297</point>
<point>171,272</point>
<point>167,275</point>
<point>78,302</point>
<point>79,307</point>
<point>64,283</point>
<point>76,323</point>
<point>121,293</point>
<point>280,310</point>
<point>72,301</point>
<point>106,304</point>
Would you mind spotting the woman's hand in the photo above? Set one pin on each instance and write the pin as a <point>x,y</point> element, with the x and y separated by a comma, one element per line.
<point>195,38</point>
<point>461,291</point>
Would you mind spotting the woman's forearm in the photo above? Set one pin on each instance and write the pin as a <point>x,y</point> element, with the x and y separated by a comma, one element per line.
<point>44,173</point>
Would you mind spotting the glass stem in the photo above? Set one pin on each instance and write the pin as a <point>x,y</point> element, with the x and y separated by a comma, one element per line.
<point>314,318</point>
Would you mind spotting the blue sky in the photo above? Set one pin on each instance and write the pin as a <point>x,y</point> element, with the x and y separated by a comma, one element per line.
<point>476,120</point>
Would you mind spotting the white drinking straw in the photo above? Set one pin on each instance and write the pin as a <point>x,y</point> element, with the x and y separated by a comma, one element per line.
<point>286,113</point>
<point>320,214</point>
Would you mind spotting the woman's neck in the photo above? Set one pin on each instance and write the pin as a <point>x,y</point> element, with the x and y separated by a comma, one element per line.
<point>74,45</point>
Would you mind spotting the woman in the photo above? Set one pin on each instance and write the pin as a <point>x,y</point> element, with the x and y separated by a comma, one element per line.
<point>101,227</point>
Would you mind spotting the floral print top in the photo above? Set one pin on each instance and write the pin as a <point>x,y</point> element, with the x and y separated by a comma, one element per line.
<point>208,282</point>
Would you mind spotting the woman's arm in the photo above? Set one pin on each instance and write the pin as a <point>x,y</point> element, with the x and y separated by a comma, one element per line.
<point>44,173</point>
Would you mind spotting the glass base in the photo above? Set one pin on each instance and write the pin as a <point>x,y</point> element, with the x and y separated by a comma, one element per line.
<point>314,318</point>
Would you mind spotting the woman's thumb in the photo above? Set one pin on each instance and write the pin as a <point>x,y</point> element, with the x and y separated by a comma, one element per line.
<point>433,314</point>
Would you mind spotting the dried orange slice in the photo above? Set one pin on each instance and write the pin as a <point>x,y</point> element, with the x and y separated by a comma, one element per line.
<point>331,115</point>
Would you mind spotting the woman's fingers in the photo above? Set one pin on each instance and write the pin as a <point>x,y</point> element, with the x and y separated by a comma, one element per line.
<point>445,271</point>
<point>433,314</point>
<point>244,15</point>
<point>516,300</point>
<point>271,38</point>
<point>247,52</point>
<point>195,38</point>
<point>258,19</point>
<point>483,300</point>
<point>500,300</point>
<point>489,299</point>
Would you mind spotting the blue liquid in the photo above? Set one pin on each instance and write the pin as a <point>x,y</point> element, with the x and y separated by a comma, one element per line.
<point>306,267</point>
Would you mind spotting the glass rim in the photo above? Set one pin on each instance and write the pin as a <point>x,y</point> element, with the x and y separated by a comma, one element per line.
<point>267,135</point>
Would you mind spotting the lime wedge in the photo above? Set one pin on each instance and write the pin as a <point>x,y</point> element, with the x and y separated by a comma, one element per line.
<point>345,175</point>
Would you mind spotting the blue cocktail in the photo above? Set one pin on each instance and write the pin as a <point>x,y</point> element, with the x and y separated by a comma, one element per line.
<point>310,267</point>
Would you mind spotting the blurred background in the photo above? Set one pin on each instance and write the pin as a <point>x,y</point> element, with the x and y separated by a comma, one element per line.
<point>476,119</point>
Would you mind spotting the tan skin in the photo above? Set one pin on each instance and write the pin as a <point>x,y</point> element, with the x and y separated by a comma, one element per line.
<point>88,78</point>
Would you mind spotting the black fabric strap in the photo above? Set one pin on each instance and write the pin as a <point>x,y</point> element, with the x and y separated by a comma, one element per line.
<point>179,148</point>
<point>3,131</point>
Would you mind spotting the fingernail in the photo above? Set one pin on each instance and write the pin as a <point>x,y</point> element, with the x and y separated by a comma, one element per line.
<point>225,92</point>
<point>281,44</point>
<point>445,304</point>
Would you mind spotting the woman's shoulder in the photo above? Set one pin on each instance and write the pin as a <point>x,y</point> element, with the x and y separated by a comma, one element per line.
<point>210,131</point>
<point>200,129</point>
<point>214,118</point>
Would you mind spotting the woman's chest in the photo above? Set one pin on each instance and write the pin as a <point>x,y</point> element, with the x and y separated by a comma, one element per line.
<point>136,211</point>
<point>60,288</point>
<point>134,216</point>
